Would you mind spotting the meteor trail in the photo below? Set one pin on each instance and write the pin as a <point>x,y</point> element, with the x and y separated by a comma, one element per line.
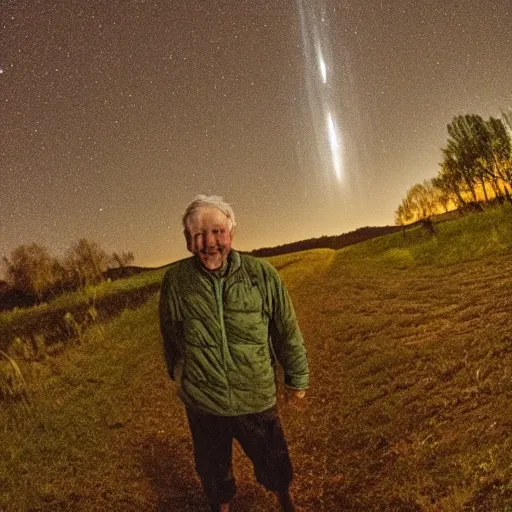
<point>316,43</point>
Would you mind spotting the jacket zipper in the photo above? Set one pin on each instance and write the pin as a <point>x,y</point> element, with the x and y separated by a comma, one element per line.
<point>219,289</point>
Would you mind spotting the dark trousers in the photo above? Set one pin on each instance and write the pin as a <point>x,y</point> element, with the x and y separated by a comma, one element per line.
<point>261,437</point>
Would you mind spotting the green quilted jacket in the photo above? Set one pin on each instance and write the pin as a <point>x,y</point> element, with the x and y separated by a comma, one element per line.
<point>226,332</point>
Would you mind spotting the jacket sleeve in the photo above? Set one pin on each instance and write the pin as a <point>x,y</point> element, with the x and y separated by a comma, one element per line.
<point>286,337</point>
<point>171,325</point>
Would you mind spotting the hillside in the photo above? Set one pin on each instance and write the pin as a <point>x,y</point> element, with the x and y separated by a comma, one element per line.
<point>328,242</point>
<point>410,346</point>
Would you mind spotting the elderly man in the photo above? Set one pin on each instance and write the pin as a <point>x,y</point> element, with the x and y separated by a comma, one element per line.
<point>225,319</point>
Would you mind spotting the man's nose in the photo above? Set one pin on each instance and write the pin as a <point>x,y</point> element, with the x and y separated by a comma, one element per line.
<point>209,240</point>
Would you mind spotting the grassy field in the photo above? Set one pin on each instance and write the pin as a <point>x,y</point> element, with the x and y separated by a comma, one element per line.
<point>50,327</point>
<point>410,347</point>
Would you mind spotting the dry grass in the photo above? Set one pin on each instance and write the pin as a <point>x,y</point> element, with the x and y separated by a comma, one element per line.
<point>411,387</point>
<point>12,382</point>
<point>408,410</point>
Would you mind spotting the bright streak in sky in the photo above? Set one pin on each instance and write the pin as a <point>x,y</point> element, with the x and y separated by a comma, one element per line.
<point>333,139</point>
<point>323,69</point>
<point>335,147</point>
<point>322,100</point>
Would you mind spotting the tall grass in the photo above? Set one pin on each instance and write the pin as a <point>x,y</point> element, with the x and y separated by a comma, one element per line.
<point>12,382</point>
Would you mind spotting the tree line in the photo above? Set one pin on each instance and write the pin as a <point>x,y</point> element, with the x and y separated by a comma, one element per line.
<point>34,270</point>
<point>476,167</point>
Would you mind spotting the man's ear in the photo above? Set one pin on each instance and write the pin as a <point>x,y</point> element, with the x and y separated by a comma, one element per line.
<point>188,239</point>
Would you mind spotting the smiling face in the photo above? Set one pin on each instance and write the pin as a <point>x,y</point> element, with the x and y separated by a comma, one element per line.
<point>209,237</point>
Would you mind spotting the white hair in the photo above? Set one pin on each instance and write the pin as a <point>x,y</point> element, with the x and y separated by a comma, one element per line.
<point>202,201</point>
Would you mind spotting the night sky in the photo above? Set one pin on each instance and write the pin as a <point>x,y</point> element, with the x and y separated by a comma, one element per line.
<point>310,117</point>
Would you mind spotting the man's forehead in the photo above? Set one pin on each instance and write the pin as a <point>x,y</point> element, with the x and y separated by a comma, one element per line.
<point>207,215</point>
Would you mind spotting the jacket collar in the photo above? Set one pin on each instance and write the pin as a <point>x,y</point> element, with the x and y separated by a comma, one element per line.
<point>234,263</point>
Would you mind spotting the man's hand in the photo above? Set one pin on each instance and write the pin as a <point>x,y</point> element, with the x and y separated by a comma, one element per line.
<point>295,398</point>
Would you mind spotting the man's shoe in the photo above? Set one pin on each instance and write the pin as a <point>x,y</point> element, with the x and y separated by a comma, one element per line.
<point>223,507</point>
<point>286,502</point>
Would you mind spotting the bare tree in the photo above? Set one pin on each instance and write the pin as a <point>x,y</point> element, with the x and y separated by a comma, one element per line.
<point>121,260</point>
<point>481,153</point>
<point>460,153</point>
<point>32,269</point>
<point>421,202</point>
<point>477,153</point>
<point>449,180</point>
<point>403,214</point>
<point>85,262</point>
